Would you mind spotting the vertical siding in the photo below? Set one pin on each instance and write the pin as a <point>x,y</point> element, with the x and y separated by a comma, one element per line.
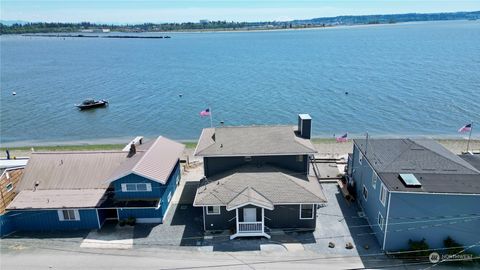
<point>7,224</point>
<point>362,176</point>
<point>170,188</point>
<point>124,213</point>
<point>47,220</point>
<point>433,217</point>
<point>156,193</point>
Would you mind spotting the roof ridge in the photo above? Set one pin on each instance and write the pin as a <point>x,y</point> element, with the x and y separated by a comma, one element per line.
<point>146,153</point>
<point>291,180</point>
<point>259,193</point>
<point>445,157</point>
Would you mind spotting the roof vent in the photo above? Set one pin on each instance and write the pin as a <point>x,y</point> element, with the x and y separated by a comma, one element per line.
<point>132,151</point>
<point>409,180</point>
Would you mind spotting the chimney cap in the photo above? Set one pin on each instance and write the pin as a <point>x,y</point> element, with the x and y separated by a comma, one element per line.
<point>305,116</point>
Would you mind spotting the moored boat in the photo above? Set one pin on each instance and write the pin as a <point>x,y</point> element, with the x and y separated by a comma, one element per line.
<point>91,103</point>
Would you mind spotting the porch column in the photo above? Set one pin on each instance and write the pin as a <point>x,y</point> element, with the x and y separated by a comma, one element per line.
<point>236,219</point>
<point>263,221</point>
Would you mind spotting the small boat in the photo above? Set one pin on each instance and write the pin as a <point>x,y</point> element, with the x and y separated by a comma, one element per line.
<point>91,103</point>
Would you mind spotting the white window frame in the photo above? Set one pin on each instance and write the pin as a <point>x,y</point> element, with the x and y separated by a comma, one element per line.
<point>169,197</point>
<point>247,158</point>
<point>76,215</point>
<point>383,194</point>
<point>313,211</point>
<point>299,158</point>
<point>216,210</point>
<point>360,157</point>
<point>9,188</point>
<point>125,185</point>
<point>374,176</point>
<point>178,179</point>
<point>380,221</point>
<point>365,191</point>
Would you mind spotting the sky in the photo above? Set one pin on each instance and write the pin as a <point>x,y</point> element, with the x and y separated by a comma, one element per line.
<point>158,11</point>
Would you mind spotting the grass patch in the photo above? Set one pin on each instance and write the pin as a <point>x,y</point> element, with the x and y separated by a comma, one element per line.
<point>190,144</point>
<point>82,147</point>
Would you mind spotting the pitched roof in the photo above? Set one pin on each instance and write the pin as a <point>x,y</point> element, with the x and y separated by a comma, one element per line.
<point>266,185</point>
<point>55,199</point>
<point>70,170</point>
<point>252,141</point>
<point>156,163</point>
<point>436,168</point>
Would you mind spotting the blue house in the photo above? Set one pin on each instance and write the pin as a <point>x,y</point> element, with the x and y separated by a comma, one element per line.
<point>416,189</point>
<point>81,190</point>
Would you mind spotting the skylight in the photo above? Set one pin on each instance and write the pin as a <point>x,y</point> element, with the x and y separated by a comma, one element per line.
<point>410,180</point>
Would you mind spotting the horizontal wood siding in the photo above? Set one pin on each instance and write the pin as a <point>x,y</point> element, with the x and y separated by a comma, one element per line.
<point>288,217</point>
<point>224,221</point>
<point>156,193</point>
<point>124,213</point>
<point>7,196</point>
<point>47,220</point>
<point>214,165</point>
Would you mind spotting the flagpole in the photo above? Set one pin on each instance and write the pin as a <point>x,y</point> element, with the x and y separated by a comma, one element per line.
<point>211,121</point>
<point>469,136</point>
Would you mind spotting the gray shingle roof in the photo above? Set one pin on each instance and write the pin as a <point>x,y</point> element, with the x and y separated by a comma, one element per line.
<point>436,168</point>
<point>252,141</point>
<point>258,184</point>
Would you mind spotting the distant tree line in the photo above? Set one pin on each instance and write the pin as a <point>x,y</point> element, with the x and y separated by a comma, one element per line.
<point>23,28</point>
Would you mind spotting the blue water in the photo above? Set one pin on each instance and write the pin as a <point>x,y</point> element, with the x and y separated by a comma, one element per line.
<point>405,79</point>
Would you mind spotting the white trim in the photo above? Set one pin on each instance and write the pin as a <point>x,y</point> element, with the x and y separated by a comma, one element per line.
<point>386,223</point>
<point>196,147</point>
<point>383,188</point>
<point>11,187</point>
<point>260,154</point>
<point>363,193</point>
<point>148,220</point>
<point>98,220</point>
<point>61,216</point>
<point>313,211</point>
<point>250,203</point>
<point>382,223</point>
<point>147,185</point>
<point>360,157</point>
<point>7,175</point>
<point>214,212</point>
<point>374,175</point>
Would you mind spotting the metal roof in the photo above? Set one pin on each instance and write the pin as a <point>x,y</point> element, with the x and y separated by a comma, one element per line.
<point>252,141</point>
<point>437,169</point>
<point>263,185</point>
<point>156,163</point>
<point>57,199</point>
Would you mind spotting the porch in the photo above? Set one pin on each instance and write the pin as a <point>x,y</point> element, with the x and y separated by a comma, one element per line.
<point>249,224</point>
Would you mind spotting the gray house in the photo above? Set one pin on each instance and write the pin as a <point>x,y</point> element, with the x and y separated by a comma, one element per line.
<point>414,190</point>
<point>257,178</point>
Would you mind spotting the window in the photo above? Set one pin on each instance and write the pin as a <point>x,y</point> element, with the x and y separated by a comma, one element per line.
<point>360,158</point>
<point>68,215</point>
<point>136,187</point>
<point>365,193</point>
<point>306,211</point>
<point>178,179</point>
<point>381,221</point>
<point>374,179</point>
<point>383,194</point>
<point>213,210</point>
<point>9,187</point>
<point>299,158</point>
<point>169,197</point>
<point>248,158</point>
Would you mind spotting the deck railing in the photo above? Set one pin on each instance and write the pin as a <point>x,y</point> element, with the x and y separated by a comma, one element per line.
<point>249,227</point>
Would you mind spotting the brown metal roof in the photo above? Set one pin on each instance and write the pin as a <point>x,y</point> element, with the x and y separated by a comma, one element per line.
<point>56,199</point>
<point>156,163</point>
<point>70,170</point>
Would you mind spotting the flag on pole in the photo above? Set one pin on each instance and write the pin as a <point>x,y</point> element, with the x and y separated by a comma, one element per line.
<point>466,128</point>
<point>343,138</point>
<point>205,112</point>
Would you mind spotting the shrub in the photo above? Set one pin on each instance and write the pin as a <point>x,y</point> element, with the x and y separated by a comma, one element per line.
<point>452,246</point>
<point>421,247</point>
<point>121,222</point>
<point>131,221</point>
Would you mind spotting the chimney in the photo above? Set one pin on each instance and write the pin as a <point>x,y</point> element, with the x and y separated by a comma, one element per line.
<point>305,126</point>
<point>132,151</point>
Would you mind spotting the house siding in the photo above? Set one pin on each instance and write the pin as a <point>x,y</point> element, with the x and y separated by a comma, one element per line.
<point>7,224</point>
<point>362,176</point>
<point>224,221</point>
<point>170,188</point>
<point>433,217</point>
<point>47,220</point>
<point>214,165</point>
<point>139,213</point>
<point>156,193</point>
<point>288,217</point>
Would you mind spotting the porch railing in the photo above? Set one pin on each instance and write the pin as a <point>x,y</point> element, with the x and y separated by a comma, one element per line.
<point>249,227</point>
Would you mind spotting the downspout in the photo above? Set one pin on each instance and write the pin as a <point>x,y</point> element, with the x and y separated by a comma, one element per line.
<point>98,220</point>
<point>204,226</point>
<point>386,222</point>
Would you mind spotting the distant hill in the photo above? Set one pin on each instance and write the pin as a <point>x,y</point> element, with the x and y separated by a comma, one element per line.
<point>22,27</point>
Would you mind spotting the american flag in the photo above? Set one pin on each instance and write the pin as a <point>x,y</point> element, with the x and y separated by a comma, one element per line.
<point>343,138</point>
<point>466,128</point>
<point>205,112</point>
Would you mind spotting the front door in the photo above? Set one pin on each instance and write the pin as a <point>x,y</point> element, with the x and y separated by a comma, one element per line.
<point>249,215</point>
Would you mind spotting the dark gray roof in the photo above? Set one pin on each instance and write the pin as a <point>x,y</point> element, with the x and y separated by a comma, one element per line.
<point>436,168</point>
<point>264,185</point>
<point>252,141</point>
<point>473,159</point>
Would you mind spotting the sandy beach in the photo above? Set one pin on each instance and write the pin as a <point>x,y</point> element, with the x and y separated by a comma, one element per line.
<point>327,148</point>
